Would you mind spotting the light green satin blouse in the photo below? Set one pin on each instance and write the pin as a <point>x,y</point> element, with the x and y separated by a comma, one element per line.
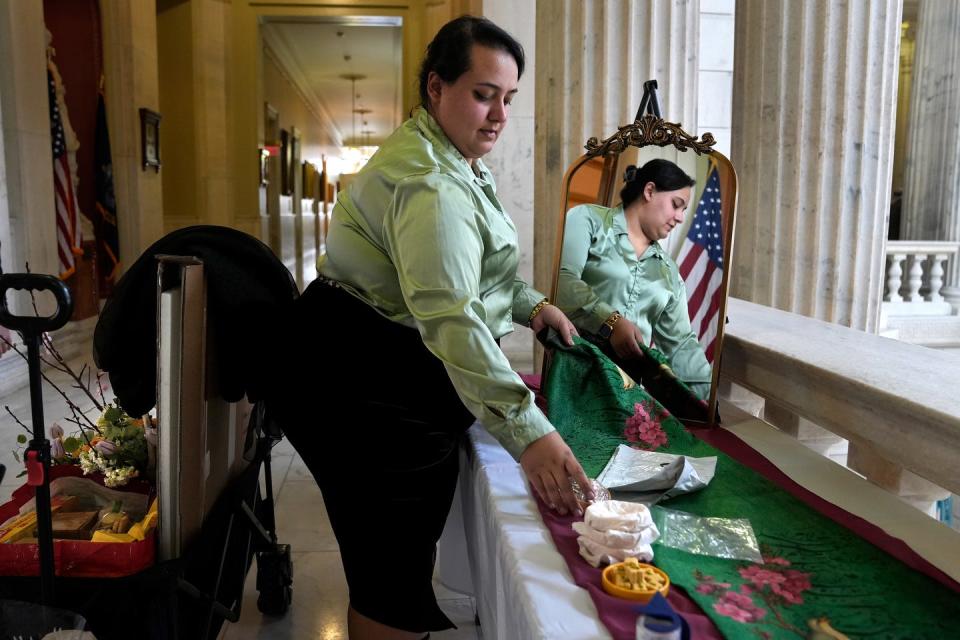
<point>421,236</point>
<point>600,273</point>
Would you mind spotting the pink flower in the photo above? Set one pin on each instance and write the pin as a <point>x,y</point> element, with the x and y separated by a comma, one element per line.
<point>708,586</point>
<point>794,584</point>
<point>644,429</point>
<point>760,576</point>
<point>56,431</point>
<point>739,607</point>
<point>776,560</point>
<point>787,584</point>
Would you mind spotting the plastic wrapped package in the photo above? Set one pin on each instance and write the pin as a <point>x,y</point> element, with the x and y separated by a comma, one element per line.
<point>731,538</point>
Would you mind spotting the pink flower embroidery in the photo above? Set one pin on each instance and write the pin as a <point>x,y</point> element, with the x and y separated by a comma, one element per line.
<point>709,587</point>
<point>794,584</point>
<point>760,576</point>
<point>739,607</point>
<point>772,584</point>
<point>644,429</point>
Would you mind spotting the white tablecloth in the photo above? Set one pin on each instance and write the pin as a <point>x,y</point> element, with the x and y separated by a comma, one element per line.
<point>521,583</point>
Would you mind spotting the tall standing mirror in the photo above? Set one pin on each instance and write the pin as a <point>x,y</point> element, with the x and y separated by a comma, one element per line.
<point>646,234</point>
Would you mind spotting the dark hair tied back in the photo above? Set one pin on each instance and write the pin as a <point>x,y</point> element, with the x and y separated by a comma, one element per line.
<point>448,54</point>
<point>665,176</point>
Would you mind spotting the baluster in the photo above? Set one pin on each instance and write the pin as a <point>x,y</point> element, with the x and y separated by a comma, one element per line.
<point>915,279</point>
<point>936,276</point>
<point>894,277</point>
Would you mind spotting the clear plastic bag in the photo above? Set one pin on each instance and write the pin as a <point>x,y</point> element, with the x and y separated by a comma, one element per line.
<point>600,492</point>
<point>731,538</point>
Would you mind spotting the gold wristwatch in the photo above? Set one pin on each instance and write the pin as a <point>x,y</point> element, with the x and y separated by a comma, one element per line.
<point>606,329</point>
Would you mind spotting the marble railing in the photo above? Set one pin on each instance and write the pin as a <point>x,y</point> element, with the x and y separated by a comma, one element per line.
<point>924,263</point>
<point>884,396</point>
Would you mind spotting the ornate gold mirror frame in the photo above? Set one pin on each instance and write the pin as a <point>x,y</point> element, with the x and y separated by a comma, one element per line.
<point>597,176</point>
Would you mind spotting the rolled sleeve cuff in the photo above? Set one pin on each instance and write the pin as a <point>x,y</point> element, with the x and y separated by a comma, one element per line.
<point>523,303</point>
<point>600,312</point>
<point>520,431</point>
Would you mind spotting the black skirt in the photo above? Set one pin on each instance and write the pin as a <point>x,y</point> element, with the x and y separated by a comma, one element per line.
<point>377,421</point>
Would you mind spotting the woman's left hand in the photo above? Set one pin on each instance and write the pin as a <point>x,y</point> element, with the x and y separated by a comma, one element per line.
<point>551,316</point>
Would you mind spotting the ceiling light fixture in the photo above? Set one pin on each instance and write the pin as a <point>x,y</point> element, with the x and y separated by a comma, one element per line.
<point>353,77</point>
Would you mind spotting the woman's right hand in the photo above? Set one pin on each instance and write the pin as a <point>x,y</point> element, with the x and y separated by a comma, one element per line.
<point>626,340</point>
<point>549,465</point>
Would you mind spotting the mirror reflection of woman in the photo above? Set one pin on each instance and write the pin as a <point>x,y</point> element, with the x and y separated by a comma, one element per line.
<point>618,285</point>
<point>396,353</point>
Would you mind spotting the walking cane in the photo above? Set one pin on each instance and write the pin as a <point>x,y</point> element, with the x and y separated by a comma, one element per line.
<point>37,455</point>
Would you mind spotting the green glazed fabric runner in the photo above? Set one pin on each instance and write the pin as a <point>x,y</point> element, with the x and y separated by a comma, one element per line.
<point>818,579</point>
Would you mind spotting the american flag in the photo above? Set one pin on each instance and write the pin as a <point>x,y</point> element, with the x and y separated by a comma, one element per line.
<point>701,264</point>
<point>65,196</point>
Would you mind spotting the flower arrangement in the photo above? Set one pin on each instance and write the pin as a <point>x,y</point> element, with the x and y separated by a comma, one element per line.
<point>119,447</point>
<point>116,445</point>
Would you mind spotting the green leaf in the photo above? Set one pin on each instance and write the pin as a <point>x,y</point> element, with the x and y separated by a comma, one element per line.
<point>21,439</point>
<point>71,444</point>
<point>16,455</point>
<point>22,473</point>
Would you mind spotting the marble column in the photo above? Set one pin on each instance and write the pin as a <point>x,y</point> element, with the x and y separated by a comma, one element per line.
<point>28,159</point>
<point>6,241</point>
<point>814,99</point>
<point>592,61</point>
<point>511,161</point>
<point>931,208</point>
<point>131,82</point>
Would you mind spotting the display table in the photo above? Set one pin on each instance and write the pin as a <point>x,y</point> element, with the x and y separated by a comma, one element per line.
<point>522,585</point>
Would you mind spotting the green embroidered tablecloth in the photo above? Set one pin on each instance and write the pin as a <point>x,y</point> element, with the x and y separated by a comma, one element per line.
<point>817,576</point>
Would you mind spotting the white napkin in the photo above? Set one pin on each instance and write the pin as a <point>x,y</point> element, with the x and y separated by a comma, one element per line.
<point>613,530</point>
<point>618,515</point>
<point>597,554</point>
<point>618,539</point>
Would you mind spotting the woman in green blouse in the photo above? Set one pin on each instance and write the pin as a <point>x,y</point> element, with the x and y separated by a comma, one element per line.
<point>417,286</point>
<point>618,285</point>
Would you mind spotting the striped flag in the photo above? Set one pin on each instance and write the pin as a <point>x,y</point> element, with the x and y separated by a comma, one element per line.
<point>701,264</point>
<point>65,195</point>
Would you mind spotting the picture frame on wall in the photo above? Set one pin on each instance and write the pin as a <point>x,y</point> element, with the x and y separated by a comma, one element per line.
<point>294,160</point>
<point>150,139</point>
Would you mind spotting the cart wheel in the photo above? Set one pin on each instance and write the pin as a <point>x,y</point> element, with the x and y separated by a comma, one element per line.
<point>274,580</point>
